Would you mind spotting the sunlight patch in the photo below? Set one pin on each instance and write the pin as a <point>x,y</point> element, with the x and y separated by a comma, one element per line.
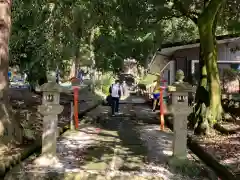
<point>167,152</point>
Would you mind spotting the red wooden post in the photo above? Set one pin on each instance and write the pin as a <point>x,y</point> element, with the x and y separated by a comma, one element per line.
<point>161,109</point>
<point>75,91</point>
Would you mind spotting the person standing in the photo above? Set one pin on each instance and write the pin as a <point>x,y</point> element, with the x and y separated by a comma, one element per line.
<point>124,88</point>
<point>57,75</point>
<point>116,91</point>
<point>156,94</point>
<point>80,75</point>
<point>9,75</point>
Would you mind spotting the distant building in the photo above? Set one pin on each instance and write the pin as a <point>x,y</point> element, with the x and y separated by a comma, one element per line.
<point>185,56</point>
<point>130,66</point>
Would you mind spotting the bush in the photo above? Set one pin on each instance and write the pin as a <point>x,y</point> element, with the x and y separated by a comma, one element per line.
<point>148,79</point>
<point>105,83</point>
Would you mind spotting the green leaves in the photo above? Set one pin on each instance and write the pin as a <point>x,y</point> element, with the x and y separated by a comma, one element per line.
<point>231,74</point>
<point>55,31</point>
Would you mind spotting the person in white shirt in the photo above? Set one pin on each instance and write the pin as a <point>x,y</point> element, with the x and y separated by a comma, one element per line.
<point>116,91</point>
<point>124,88</point>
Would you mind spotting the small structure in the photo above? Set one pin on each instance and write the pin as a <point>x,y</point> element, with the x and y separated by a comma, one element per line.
<point>180,106</point>
<point>50,109</point>
<point>185,55</point>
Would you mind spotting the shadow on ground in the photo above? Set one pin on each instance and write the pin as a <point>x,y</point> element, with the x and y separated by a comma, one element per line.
<point>26,103</point>
<point>117,146</point>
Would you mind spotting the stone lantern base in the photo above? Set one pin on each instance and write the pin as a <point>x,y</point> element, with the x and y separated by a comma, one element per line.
<point>178,161</point>
<point>46,160</point>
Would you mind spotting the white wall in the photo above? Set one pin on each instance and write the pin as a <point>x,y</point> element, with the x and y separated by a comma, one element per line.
<point>224,52</point>
<point>159,62</point>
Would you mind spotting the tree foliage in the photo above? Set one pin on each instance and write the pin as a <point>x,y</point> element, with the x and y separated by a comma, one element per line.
<point>229,75</point>
<point>50,34</point>
<point>59,30</point>
<point>47,34</point>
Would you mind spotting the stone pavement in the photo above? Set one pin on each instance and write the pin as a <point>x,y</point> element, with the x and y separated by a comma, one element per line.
<point>91,153</point>
<point>160,150</point>
<point>115,148</point>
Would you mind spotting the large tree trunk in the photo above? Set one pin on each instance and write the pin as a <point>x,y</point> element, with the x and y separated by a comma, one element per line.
<point>9,128</point>
<point>208,97</point>
<point>197,119</point>
<point>92,57</point>
<point>77,61</point>
<point>208,44</point>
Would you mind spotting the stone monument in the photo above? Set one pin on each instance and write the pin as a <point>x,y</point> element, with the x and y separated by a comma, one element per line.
<point>50,109</point>
<point>178,104</point>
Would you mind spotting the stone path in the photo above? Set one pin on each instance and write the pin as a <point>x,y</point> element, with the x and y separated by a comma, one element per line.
<point>115,148</point>
<point>159,145</point>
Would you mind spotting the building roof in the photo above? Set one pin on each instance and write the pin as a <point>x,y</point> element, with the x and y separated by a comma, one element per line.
<point>168,49</point>
<point>197,41</point>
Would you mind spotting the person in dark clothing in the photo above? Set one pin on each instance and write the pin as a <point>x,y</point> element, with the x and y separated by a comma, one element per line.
<point>116,91</point>
<point>115,106</point>
<point>57,75</point>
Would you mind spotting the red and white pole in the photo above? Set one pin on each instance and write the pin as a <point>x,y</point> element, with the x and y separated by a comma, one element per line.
<point>162,107</point>
<point>75,95</point>
<point>161,110</point>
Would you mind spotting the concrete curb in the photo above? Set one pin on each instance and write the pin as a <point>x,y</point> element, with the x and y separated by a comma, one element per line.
<point>14,160</point>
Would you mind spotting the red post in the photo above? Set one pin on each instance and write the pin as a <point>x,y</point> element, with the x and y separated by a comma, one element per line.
<point>161,109</point>
<point>75,91</point>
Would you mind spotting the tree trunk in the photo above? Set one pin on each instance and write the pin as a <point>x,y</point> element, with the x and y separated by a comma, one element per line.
<point>197,120</point>
<point>9,128</point>
<point>75,64</point>
<point>76,60</point>
<point>208,96</point>
<point>92,57</point>
<point>209,49</point>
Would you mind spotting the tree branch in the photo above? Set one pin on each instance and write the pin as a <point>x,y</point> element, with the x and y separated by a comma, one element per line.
<point>217,17</point>
<point>205,3</point>
<point>211,10</point>
<point>166,18</point>
<point>179,6</point>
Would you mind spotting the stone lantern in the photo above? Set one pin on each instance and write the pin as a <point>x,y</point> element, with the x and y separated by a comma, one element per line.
<point>181,93</point>
<point>50,109</point>
<point>179,105</point>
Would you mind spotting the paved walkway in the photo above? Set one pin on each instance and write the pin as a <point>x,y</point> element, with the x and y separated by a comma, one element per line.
<point>115,149</point>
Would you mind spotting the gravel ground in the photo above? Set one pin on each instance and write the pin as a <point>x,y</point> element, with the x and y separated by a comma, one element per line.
<point>70,150</point>
<point>71,147</point>
<point>87,152</point>
<point>225,148</point>
<point>159,146</point>
<point>160,151</point>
